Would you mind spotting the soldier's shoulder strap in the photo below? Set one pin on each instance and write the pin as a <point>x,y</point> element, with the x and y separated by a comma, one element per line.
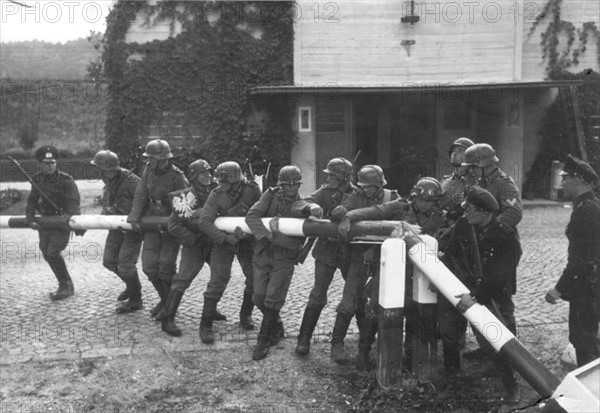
<point>176,169</point>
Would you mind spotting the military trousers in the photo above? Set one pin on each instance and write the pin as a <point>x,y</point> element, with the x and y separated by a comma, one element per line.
<point>583,329</point>
<point>159,256</point>
<point>273,270</point>
<point>360,268</point>
<point>121,253</point>
<point>52,243</point>
<point>221,259</point>
<point>192,260</point>
<point>329,255</point>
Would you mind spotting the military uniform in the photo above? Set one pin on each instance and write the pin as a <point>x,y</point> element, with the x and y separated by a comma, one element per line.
<point>160,249</point>
<point>508,196</point>
<point>362,259</point>
<point>329,253</point>
<point>122,248</point>
<point>183,225</point>
<point>398,210</point>
<point>273,262</point>
<point>499,249</point>
<point>580,280</point>
<point>61,189</point>
<point>235,203</point>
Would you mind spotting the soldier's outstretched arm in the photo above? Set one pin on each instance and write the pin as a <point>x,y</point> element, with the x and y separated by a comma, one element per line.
<point>73,200</point>
<point>510,204</point>
<point>256,212</point>
<point>140,199</point>
<point>206,222</point>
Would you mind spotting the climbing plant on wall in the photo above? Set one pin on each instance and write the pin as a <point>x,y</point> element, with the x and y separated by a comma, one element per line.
<point>563,44</point>
<point>202,73</point>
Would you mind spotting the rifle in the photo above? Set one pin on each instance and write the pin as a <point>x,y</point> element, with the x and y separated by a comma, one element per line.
<point>493,307</point>
<point>354,160</point>
<point>36,186</point>
<point>138,165</point>
<point>247,161</point>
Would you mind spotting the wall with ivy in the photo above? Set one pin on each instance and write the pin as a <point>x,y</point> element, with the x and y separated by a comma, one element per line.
<point>563,44</point>
<point>203,72</point>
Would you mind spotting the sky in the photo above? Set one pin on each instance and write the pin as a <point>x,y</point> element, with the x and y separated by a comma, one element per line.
<point>52,20</point>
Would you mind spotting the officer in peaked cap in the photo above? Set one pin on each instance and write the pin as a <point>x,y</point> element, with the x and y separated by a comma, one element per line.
<point>54,193</point>
<point>479,240</point>
<point>577,167</point>
<point>46,154</point>
<point>579,283</point>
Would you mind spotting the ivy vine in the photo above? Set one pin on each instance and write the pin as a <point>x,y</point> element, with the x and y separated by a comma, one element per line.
<point>560,60</point>
<point>202,73</point>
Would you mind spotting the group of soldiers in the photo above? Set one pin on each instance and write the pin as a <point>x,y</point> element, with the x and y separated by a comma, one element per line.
<point>473,213</point>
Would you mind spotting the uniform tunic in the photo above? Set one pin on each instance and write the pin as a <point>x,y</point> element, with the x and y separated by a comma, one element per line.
<point>329,253</point>
<point>183,225</point>
<point>273,262</point>
<point>159,253</point>
<point>62,190</point>
<point>122,248</point>
<point>499,250</point>
<point>234,203</point>
<point>580,280</point>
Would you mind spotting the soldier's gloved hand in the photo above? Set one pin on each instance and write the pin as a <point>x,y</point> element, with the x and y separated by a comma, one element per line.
<point>34,226</point>
<point>316,211</point>
<point>135,226</point>
<point>338,212</point>
<point>465,302</point>
<point>344,227</point>
<point>239,233</point>
<point>80,232</point>
<point>231,239</point>
<point>552,296</point>
<point>274,225</point>
<point>109,210</point>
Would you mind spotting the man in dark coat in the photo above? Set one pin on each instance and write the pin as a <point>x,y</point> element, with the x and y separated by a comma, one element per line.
<point>54,193</point>
<point>579,283</point>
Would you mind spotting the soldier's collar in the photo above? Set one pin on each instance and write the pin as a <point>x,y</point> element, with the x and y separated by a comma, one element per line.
<point>582,198</point>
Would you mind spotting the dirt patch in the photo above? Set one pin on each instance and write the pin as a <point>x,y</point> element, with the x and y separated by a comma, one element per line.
<point>225,379</point>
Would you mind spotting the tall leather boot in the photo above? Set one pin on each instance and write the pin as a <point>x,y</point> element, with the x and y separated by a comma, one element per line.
<point>367,338</point>
<point>309,322</point>
<point>246,320</point>
<point>134,293</point>
<point>168,323</point>
<point>278,331</point>
<point>160,289</point>
<point>206,322</point>
<point>338,352</point>
<point>266,331</point>
<point>65,284</point>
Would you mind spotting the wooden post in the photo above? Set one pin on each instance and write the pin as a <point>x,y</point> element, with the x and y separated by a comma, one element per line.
<point>391,302</point>
<point>578,127</point>
<point>425,337</point>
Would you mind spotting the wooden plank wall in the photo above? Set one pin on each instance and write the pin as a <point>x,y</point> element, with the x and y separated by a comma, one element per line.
<point>359,43</point>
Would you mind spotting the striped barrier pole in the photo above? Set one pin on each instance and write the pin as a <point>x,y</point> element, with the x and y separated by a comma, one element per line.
<point>502,340</point>
<point>390,315</point>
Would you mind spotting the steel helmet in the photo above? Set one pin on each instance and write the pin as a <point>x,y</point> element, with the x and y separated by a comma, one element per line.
<point>289,174</point>
<point>229,171</point>
<point>340,167</point>
<point>158,149</point>
<point>427,189</point>
<point>481,155</point>
<point>106,161</point>
<point>197,167</point>
<point>371,175</point>
<point>463,142</point>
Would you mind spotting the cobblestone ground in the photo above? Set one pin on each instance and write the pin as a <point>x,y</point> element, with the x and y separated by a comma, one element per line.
<point>86,325</point>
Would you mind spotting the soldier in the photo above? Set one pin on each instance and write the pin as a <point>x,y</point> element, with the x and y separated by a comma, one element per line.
<point>362,258</point>
<point>329,253</point>
<point>232,198</point>
<point>482,167</point>
<point>454,187</point>
<point>422,209</point>
<point>483,253</point>
<point>579,283</point>
<point>275,255</point>
<point>159,253</point>
<point>54,193</point>
<point>122,248</point>
<point>183,225</point>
